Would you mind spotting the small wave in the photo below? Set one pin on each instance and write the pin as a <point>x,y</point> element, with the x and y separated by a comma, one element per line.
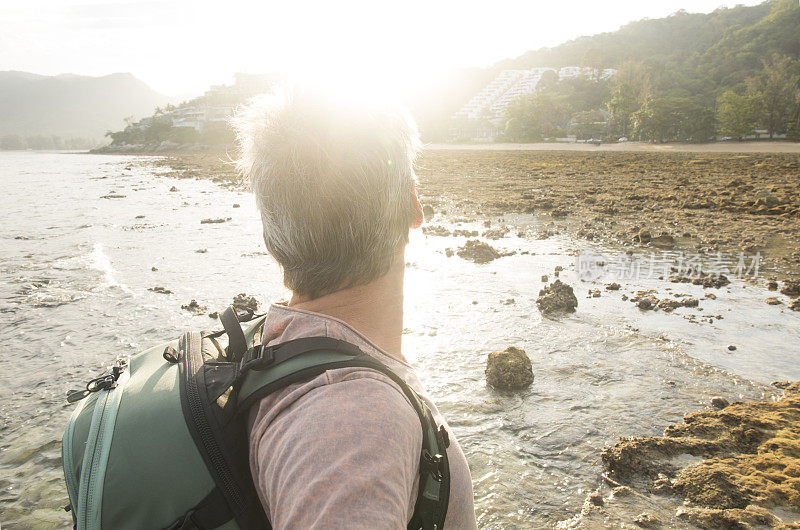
<point>100,261</point>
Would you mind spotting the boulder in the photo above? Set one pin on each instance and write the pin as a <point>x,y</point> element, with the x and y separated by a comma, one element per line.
<point>509,369</point>
<point>557,298</point>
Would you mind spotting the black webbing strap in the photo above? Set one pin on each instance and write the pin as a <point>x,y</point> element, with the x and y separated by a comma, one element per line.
<point>262,357</point>
<point>237,344</point>
<point>430,509</point>
<point>212,512</point>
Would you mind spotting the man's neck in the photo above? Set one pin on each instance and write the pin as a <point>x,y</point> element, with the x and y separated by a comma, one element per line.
<point>375,310</point>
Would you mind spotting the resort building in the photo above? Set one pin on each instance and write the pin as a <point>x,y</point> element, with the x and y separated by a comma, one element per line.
<point>483,117</point>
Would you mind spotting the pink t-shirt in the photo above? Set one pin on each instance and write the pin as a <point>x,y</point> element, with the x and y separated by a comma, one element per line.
<point>342,450</point>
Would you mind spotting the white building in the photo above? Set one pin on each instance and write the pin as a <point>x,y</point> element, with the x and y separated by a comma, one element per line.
<point>199,117</point>
<point>490,103</point>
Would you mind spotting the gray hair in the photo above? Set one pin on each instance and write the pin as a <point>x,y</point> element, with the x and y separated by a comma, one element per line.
<point>334,184</point>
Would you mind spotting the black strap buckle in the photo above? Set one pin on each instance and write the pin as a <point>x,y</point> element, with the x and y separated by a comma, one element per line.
<point>258,358</point>
<point>432,464</point>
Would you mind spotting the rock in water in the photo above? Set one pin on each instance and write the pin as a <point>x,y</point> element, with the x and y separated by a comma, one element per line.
<point>509,369</point>
<point>478,251</point>
<point>719,402</point>
<point>245,304</point>
<point>557,298</point>
<point>428,211</point>
<point>791,288</point>
<point>194,307</point>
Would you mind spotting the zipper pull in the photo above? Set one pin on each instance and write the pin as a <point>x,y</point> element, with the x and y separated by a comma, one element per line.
<point>76,395</point>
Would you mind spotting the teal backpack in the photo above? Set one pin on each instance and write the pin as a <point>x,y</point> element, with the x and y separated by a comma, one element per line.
<point>160,440</point>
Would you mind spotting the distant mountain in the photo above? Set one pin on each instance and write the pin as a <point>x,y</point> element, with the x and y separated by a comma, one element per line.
<point>72,106</point>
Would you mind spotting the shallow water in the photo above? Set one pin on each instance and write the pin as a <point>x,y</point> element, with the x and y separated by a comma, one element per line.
<point>74,276</point>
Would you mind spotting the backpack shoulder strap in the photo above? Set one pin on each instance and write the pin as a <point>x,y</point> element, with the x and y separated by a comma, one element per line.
<point>267,369</point>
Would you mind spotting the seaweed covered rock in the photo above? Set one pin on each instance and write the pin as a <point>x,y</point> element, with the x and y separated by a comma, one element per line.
<point>509,369</point>
<point>245,304</point>
<point>479,252</point>
<point>195,307</point>
<point>729,464</point>
<point>558,297</point>
<point>435,230</point>
<point>791,288</point>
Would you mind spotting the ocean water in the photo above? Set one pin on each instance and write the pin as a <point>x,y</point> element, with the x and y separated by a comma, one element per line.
<point>75,274</point>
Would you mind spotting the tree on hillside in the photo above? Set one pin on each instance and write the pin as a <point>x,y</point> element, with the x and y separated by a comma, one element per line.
<point>622,104</point>
<point>674,119</point>
<point>737,114</point>
<point>775,89</point>
<point>537,116</point>
<point>588,124</point>
<point>637,76</point>
<point>548,81</point>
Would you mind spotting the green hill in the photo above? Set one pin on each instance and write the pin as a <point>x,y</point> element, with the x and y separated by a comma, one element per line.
<point>687,77</point>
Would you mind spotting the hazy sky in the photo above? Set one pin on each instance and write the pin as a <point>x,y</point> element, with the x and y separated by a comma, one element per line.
<point>181,47</point>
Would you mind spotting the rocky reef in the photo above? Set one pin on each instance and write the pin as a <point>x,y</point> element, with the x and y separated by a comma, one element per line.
<point>730,466</point>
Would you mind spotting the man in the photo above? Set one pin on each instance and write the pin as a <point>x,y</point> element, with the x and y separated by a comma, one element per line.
<point>335,186</point>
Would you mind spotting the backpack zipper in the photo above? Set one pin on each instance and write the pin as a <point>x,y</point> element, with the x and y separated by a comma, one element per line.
<point>69,462</point>
<point>95,456</point>
<point>228,485</point>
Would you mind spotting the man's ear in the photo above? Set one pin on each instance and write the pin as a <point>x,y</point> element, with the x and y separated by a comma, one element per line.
<point>418,215</point>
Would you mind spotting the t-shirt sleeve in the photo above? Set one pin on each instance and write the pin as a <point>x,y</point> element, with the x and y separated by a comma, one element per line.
<point>343,455</point>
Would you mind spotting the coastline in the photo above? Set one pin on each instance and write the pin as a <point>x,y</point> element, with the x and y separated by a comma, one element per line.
<point>744,204</point>
<point>757,146</point>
